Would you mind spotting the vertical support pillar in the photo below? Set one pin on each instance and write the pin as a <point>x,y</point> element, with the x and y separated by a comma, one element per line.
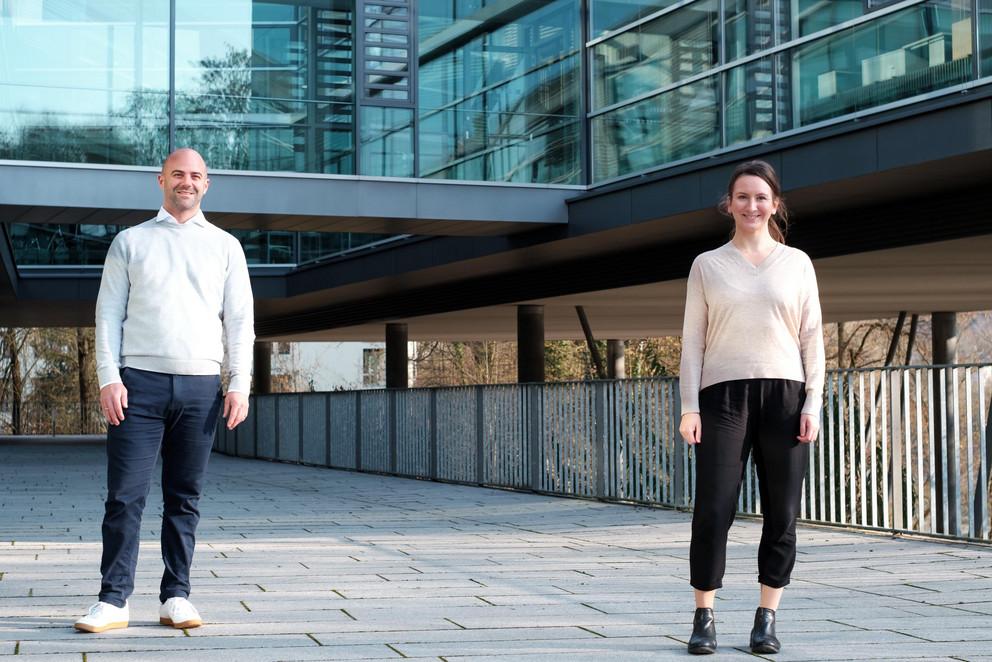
<point>944,339</point>
<point>533,394</point>
<point>432,441</point>
<point>358,430</point>
<point>391,432</point>
<point>680,493</point>
<point>615,366</point>
<point>530,344</point>
<point>480,435</point>
<point>262,373</point>
<point>895,425</point>
<point>397,356</point>
<point>841,344</point>
<point>601,437</point>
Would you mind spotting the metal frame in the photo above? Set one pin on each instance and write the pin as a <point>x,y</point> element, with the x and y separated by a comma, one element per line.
<point>789,45</point>
<point>618,440</point>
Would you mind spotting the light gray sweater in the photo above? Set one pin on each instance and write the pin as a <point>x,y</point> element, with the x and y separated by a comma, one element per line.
<point>750,322</point>
<point>171,294</point>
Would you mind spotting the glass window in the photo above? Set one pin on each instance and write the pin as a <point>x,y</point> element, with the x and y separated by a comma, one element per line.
<point>387,142</point>
<point>748,27</point>
<point>316,245</point>
<point>655,54</point>
<point>678,124</point>
<point>386,9</point>
<point>373,367</point>
<point>84,81</point>
<point>503,106</point>
<point>265,247</point>
<point>749,102</point>
<point>74,245</point>
<point>266,85</point>
<point>985,35</point>
<point>804,17</point>
<point>607,15</point>
<point>901,55</point>
<point>63,244</point>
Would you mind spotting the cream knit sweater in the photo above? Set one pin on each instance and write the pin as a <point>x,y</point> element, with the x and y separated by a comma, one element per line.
<point>752,322</point>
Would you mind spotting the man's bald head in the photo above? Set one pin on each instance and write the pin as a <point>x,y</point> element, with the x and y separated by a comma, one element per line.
<point>186,156</point>
<point>183,181</point>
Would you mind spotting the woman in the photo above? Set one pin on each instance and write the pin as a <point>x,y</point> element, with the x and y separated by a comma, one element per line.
<point>751,381</point>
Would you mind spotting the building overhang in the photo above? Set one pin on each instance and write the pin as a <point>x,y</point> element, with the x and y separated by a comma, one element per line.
<point>911,188</point>
<point>35,192</point>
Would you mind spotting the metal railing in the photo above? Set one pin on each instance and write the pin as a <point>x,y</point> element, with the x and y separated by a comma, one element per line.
<point>52,418</point>
<point>900,449</point>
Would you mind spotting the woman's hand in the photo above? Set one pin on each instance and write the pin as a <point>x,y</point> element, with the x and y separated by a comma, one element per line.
<point>691,427</point>
<point>809,428</point>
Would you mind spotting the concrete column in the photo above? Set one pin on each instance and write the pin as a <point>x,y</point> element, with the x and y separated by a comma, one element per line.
<point>397,356</point>
<point>945,338</point>
<point>530,344</point>
<point>262,368</point>
<point>615,368</point>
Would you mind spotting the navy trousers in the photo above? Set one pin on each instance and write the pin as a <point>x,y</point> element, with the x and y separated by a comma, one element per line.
<point>174,416</point>
<point>738,418</point>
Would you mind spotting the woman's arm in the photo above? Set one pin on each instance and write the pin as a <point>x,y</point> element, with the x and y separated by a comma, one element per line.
<point>693,346</point>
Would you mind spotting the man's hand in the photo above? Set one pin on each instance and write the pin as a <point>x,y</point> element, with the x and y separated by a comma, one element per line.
<point>235,408</point>
<point>113,402</point>
<point>809,428</point>
<point>691,428</point>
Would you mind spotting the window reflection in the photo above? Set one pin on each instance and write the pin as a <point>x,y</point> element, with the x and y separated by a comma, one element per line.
<point>606,15</point>
<point>387,141</point>
<point>655,54</point>
<point>675,125</point>
<point>896,56</point>
<point>266,85</point>
<point>84,82</point>
<point>36,244</point>
<point>504,105</point>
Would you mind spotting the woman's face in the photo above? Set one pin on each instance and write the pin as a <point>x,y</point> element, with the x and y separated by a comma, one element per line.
<point>752,203</point>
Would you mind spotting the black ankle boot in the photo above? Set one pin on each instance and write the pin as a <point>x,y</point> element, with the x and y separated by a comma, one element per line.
<point>703,639</point>
<point>763,639</point>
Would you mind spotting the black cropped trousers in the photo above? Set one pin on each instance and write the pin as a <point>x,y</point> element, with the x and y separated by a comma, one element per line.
<point>738,418</point>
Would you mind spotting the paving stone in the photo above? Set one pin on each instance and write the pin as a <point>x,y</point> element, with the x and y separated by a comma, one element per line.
<point>300,563</point>
<point>261,655</point>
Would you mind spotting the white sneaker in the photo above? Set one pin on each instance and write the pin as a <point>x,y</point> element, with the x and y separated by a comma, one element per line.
<point>179,613</point>
<point>103,616</point>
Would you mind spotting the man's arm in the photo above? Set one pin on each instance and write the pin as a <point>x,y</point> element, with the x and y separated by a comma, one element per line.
<point>111,308</point>
<point>239,331</point>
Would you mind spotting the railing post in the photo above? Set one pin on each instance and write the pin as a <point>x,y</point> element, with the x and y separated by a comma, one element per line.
<point>895,416</point>
<point>299,429</point>
<point>358,430</point>
<point>681,452</point>
<point>327,430</point>
<point>954,468</point>
<point>254,428</point>
<point>534,435</point>
<point>277,399</point>
<point>391,431</point>
<point>480,436</point>
<point>602,435</point>
<point>432,441</point>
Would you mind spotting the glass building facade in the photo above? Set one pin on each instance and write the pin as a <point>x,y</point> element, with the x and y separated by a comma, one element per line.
<point>550,92</point>
<point>63,244</point>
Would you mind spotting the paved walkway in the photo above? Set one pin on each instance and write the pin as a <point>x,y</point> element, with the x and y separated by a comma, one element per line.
<point>298,563</point>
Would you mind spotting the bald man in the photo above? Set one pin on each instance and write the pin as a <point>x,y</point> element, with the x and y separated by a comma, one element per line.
<point>174,289</point>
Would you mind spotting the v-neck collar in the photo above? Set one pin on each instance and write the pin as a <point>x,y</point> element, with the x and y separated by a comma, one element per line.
<point>761,266</point>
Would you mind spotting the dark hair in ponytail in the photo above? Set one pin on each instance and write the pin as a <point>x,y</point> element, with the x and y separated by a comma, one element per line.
<point>778,224</point>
